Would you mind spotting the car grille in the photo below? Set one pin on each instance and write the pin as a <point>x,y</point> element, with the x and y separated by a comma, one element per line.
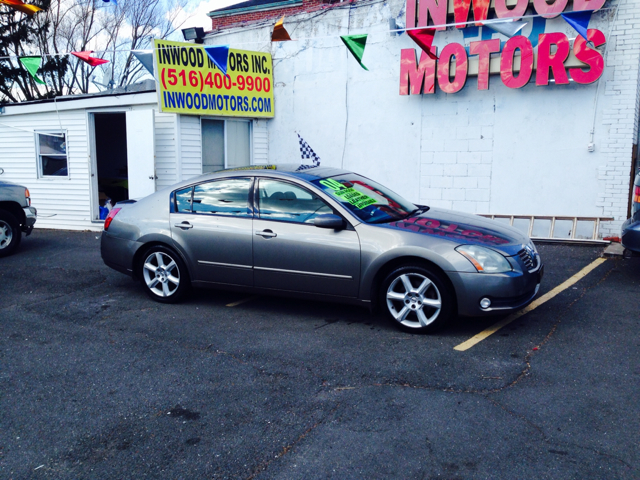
<point>531,263</point>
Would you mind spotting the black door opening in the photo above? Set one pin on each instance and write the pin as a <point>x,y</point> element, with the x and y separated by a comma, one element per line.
<point>110,130</point>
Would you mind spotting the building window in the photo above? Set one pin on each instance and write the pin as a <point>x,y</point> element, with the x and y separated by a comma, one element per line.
<point>52,154</point>
<point>225,144</point>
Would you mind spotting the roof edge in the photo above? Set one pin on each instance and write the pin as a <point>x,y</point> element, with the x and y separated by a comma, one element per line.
<point>256,8</point>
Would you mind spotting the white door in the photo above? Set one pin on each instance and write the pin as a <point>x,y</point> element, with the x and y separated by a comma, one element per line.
<point>141,156</point>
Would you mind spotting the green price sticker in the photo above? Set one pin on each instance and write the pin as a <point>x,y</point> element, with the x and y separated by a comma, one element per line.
<point>350,194</point>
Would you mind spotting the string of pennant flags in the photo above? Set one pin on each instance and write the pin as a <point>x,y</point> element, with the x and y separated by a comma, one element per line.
<point>355,44</point>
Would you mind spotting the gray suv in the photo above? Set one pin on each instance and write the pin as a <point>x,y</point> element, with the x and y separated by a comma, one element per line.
<point>16,216</point>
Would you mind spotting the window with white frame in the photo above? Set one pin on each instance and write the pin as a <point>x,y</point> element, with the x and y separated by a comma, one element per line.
<point>225,144</point>
<point>52,154</point>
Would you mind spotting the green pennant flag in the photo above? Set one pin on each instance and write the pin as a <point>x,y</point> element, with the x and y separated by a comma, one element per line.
<point>355,44</point>
<point>32,64</point>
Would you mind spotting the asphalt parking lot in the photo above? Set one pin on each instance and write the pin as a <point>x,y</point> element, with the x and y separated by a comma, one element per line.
<point>98,381</point>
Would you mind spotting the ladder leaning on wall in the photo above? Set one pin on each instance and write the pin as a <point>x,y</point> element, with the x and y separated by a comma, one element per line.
<point>556,229</point>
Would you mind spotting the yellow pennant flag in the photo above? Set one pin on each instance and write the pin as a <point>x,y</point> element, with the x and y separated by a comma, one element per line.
<point>21,6</point>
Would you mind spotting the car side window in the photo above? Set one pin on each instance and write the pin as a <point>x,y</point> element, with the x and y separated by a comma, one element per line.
<point>183,200</point>
<point>287,202</point>
<point>229,197</point>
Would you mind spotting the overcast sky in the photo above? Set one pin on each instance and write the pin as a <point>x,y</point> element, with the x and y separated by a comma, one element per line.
<point>195,13</point>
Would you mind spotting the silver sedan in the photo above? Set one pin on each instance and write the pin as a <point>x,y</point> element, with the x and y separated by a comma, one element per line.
<point>321,233</point>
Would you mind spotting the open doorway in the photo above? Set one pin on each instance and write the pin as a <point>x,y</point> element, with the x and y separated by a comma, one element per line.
<point>112,182</point>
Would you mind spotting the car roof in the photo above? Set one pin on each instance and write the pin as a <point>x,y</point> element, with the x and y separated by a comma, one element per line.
<point>308,174</point>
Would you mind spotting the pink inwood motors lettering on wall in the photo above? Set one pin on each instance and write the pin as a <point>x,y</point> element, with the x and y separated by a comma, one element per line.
<point>416,79</point>
<point>552,62</point>
<point>484,49</point>
<point>410,19</point>
<point>526,62</point>
<point>590,56</point>
<point>550,10</point>
<point>587,4</point>
<point>436,8</point>
<point>502,11</point>
<point>457,51</point>
<point>461,11</point>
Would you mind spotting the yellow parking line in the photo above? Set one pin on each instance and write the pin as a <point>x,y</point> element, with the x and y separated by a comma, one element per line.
<point>240,302</point>
<point>532,306</point>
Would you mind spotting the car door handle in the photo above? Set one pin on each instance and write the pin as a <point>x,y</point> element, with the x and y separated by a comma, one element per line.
<point>267,234</point>
<point>184,225</point>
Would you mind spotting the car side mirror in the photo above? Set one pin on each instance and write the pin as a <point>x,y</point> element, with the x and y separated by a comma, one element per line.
<point>329,221</point>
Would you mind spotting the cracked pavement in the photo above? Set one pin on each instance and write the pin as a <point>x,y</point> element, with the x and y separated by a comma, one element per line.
<point>98,381</point>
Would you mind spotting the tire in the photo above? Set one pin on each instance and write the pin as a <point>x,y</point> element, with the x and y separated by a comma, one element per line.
<point>417,299</point>
<point>10,234</point>
<point>163,275</point>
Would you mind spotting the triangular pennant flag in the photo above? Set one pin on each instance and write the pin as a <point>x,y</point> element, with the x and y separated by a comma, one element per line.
<point>219,55</point>
<point>579,21</point>
<point>108,1</point>
<point>20,6</point>
<point>508,28</point>
<point>32,64</point>
<point>145,58</point>
<point>356,44</point>
<point>86,57</point>
<point>307,153</point>
<point>280,33</point>
<point>424,39</point>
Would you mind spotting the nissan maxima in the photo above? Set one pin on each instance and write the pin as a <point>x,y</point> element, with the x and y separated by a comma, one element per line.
<point>326,234</point>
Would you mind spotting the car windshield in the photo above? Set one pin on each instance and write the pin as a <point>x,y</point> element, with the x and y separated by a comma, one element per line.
<point>366,199</point>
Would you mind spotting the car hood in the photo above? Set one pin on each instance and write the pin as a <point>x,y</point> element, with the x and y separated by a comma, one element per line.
<point>464,229</point>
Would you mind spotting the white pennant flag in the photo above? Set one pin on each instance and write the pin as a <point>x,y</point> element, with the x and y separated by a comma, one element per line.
<point>508,28</point>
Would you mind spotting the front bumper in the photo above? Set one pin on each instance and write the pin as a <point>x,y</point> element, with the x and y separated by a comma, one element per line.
<point>30,215</point>
<point>631,235</point>
<point>506,291</point>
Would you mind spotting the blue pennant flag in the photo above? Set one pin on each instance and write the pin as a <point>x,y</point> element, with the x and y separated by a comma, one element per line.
<point>110,1</point>
<point>219,55</point>
<point>579,21</point>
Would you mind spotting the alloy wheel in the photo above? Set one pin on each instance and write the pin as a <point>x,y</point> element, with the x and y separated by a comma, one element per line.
<point>6,234</point>
<point>414,300</point>
<point>161,274</point>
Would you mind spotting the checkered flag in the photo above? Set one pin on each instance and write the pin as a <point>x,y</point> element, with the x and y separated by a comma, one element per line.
<point>307,153</point>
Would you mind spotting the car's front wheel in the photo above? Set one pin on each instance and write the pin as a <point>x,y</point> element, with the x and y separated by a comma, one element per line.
<point>417,299</point>
<point>10,234</point>
<point>164,275</point>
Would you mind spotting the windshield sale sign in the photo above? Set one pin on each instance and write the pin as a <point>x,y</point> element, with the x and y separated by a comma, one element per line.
<point>190,83</point>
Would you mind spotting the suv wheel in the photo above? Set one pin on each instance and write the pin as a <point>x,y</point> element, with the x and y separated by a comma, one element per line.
<point>417,299</point>
<point>10,234</point>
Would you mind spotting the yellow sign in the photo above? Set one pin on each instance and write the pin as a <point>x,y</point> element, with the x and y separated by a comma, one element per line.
<point>190,83</point>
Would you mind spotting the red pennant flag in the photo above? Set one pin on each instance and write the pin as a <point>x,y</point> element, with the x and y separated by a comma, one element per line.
<point>424,39</point>
<point>21,6</point>
<point>86,57</point>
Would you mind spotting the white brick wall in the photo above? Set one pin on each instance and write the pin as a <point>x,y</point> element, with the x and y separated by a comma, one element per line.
<point>619,113</point>
<point>456,156</point>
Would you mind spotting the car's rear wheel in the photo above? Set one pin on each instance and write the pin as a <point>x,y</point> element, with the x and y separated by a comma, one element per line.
<point>417,299</point>
<point>10,234</point>
<point>164,275</point>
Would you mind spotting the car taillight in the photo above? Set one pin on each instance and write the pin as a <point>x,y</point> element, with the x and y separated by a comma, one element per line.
<point>636,194</point>
<point>110,217</point>
<point>27,196</point>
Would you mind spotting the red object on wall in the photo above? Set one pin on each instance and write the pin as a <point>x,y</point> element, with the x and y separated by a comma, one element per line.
<point>579,5</point>
<point>461,11</point>
<point>458,52</point>
<point>526,62</point>
<point>484,49</point>
<point>590,56</point>
<point>502,11</point>
<point>416,79</point>
<point>554,62</point>
<point>550,10</point>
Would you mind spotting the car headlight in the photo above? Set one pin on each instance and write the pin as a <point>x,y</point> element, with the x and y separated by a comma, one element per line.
<point>484,259</point>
